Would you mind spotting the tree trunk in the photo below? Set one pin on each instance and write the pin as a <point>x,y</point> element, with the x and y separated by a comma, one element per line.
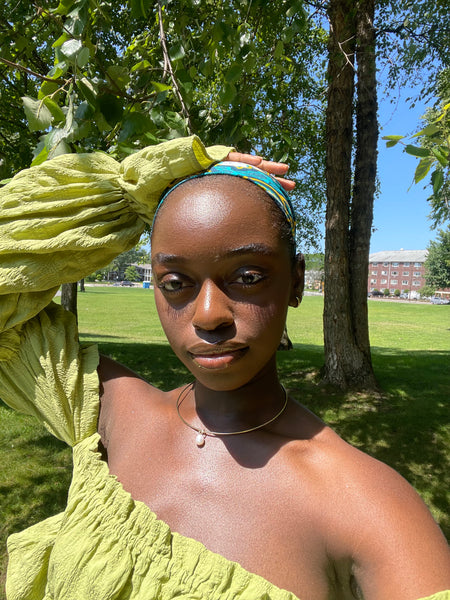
<point>69,297</point>
<point>364,179</point>
<point>82,288</point>
<point>346,364</point>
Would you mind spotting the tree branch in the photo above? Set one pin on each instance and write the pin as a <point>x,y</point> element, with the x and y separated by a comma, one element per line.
<point>30,72</point>
<point>168,68</point>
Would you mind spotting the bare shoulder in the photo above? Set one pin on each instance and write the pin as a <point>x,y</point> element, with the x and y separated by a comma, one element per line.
<point>373,515</point>
<point>123,395</point>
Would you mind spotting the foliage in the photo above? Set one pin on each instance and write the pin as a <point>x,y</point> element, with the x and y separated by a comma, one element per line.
<point>131,273</point>
<point>386,292</point>
<point>437,264</point>
<point>426,291</point>
<point>433,153</point>
<point>120,76</point>
<point>397,293</point>
<point>314,262</point>
<point>412,44</point>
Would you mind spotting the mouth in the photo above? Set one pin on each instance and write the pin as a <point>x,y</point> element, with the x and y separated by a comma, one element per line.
<point>217,357</point>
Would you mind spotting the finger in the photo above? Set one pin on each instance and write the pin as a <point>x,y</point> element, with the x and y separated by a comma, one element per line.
<point>273,167</point>
<point>287,184</point>
<point>249,159</point>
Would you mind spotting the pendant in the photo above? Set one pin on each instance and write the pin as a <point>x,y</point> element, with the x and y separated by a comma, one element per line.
<point>200,439</point>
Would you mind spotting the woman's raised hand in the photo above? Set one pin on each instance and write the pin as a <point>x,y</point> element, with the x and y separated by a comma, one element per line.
<point>273,168</point>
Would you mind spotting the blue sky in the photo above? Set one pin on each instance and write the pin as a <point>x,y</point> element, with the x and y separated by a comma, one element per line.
<point>401,209</point>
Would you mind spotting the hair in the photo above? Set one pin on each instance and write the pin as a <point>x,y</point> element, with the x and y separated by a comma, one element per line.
<point>279,221</point>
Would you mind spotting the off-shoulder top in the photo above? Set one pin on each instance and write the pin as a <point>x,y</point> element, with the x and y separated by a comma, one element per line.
<point>59,222</point>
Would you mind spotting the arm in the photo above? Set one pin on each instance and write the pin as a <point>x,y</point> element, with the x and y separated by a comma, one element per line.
<point>398,549</point>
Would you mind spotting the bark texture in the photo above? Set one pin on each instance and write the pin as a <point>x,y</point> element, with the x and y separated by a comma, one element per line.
<point>69,297</point>
<point>346,339</point>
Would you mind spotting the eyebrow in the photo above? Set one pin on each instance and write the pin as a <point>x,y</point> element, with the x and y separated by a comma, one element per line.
<point>163,258</point>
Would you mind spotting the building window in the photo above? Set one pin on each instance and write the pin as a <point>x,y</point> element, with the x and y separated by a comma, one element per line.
<point>384,272</point>
<point>374,264</point>
<point>395,264</point>
<point>394,281</point>
<point>406,264</point>
<point>405,282</point>
<point>417,264</point>
<point>373,281</point>
<point>384,281</point>
<point>385,264</point>
<point>374,272</point>
<point>394,273</point>
<point>417,273</point>
<point>416,283</point>
<point>405,273</point>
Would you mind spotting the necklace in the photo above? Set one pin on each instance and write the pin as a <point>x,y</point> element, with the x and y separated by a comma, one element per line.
<point>203,433</point>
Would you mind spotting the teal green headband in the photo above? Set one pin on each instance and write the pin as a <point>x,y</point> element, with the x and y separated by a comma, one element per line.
<point>260,178</point>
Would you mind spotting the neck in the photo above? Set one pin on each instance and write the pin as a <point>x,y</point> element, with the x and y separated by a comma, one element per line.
<point>229,410</point>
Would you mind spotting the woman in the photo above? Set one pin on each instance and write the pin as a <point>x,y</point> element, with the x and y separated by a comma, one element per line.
<point>225,488</point>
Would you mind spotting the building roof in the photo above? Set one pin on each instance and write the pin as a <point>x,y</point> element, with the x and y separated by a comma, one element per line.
<point>399,256</point>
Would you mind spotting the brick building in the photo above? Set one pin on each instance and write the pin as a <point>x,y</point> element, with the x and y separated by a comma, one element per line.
<point>397,270</point>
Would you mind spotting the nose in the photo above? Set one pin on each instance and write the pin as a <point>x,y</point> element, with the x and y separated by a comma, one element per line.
<point>212,308</point>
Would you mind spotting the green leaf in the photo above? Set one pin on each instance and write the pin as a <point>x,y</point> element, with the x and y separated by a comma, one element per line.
<point>228,93</point>
<point>64,7</point>
<point>58,70</point>
<point>87,90</point>
<point>416,151</point>
<point>437,179</point>
<point>143,64</point>
<point>392,140</point>
<point>176,52</point>
<point>422,169</point>
<point>443,160</point>
<point>71,49</point>
<point>38,115</point>
<point>41,154</point>
<point>134,123</point>
<point>83,57</point>
<point>429,131</point>
<point>111,108</point>
<point>234,73</point>
<point>160,87</point>
<point>55,109</point>
<point>47,89</point>
<point>119,76</point>
<point>139,8</point>
<point>279,49</point>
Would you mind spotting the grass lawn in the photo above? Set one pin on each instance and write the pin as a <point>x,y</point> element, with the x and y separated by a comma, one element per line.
<point>406,426</point>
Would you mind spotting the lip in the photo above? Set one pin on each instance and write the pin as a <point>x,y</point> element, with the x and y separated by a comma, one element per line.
<point>218,357</point>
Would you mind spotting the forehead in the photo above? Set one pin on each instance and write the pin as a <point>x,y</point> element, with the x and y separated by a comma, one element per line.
<point>216,205</point>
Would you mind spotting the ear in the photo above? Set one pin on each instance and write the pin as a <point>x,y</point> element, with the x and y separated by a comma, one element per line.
<point>298,281</point>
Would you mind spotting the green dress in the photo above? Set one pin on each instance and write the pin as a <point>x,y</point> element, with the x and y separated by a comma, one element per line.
<point>58,222</point>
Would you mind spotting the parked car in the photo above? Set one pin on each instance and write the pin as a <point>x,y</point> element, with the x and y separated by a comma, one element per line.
<point>439,300</point>
<point>127,283</point>
<point>375,293</point>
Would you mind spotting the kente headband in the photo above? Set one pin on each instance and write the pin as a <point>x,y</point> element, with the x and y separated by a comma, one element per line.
<point>260,178</point>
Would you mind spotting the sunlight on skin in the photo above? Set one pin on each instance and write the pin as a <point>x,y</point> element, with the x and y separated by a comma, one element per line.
<point>273,168</point>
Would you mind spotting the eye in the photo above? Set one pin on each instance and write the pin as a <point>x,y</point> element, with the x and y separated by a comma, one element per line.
<point>172,284</point>
<point>249,278</point>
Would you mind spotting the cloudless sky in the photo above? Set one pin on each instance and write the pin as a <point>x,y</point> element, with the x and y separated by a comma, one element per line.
<point>401,208</point>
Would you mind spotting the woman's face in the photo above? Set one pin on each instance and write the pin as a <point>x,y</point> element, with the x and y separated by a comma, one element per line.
<point>223,280</point>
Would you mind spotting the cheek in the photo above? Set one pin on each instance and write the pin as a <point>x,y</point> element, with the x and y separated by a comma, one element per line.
<point>269,319</point>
